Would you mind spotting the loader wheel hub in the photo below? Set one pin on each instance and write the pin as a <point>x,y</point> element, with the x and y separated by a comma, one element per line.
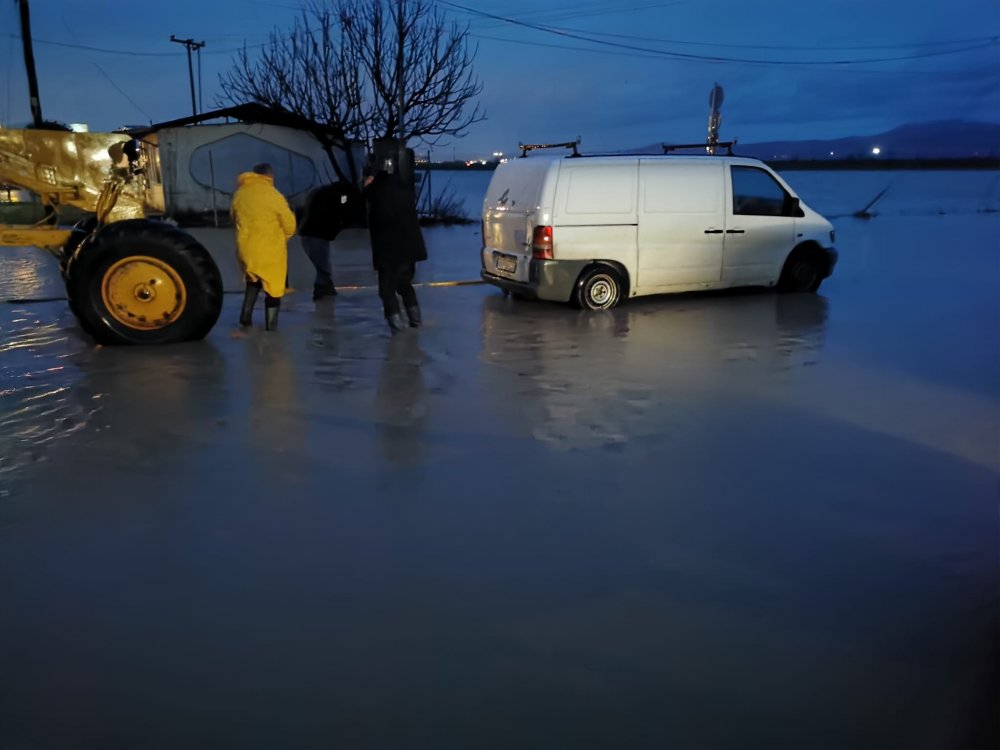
<point>143,293</point>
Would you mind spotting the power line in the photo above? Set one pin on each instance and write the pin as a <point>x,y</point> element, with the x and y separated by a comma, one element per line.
<point>646,56</point>
<point>713,58</point>
<point>121,90</point>
<point>99,49</point>
<point>551,15</point>
<point>575,11</point>
<point>107,75</point>
<point>812,47</point>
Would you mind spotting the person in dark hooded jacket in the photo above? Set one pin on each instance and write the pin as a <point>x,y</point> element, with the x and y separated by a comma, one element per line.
<point>397,245</point>
<point>327,212</point>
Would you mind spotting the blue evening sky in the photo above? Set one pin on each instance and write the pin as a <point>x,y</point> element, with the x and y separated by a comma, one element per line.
<point>619,73</point>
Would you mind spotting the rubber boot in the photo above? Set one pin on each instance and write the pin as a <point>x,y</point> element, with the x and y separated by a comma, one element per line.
<point>271,316</point>
<point>249,300</point>
<point>324,290</point>
<point>413,313</point>
<point>395,322</point>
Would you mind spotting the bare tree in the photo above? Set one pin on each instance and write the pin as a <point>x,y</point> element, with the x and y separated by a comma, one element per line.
<point>341,64</point>
<point>410,38</point>
<point>300,71</point>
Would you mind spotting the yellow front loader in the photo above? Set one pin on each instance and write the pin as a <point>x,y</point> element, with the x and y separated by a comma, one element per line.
<point>131,277</point>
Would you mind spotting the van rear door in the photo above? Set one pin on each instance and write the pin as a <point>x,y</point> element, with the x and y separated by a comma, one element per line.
<point>510,210</point>
<point>681,222</point>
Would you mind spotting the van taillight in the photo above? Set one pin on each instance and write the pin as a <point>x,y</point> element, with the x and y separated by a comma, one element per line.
<point>541,243</point>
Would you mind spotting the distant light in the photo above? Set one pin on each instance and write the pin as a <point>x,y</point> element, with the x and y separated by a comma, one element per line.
<point>831,153</point>
<point>79,127</point>
<point>876,151</point>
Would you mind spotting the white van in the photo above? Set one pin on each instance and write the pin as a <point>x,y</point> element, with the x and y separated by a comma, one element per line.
<point>596,229</point>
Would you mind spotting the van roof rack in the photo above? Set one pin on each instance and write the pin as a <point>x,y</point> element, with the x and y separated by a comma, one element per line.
<point>728,145</point>
<point>526,147</point>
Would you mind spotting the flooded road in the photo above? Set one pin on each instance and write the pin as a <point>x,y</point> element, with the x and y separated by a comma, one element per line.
<point>736,520</point>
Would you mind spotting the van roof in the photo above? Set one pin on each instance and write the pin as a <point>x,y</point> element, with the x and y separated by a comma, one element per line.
<point>747,160</point>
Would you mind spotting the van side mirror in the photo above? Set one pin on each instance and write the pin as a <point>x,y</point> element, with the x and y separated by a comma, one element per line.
<point>794,209</point>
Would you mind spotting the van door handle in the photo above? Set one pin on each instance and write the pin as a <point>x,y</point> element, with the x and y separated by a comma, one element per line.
<point>736,231</point>
<point>713,231</point>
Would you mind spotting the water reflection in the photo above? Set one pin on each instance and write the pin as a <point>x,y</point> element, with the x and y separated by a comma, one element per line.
<point>276,421</point>
<point>344,346</point>
<point>138,404</point>
<point>401,401</point>
<point>29,273</point>
<point>584,379</point>
<point>41,399</point>
<point>156,402</point>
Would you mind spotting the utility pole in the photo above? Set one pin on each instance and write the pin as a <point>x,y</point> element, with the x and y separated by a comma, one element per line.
<point>29,63</point>
<point>190,44</point>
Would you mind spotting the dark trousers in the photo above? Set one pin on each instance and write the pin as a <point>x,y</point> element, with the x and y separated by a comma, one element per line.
<point>269,301</point>
<point>318,251</point>
<point>393,281</point>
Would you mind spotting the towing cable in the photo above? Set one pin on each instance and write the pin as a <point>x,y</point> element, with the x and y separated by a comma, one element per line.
<point>355,287</point>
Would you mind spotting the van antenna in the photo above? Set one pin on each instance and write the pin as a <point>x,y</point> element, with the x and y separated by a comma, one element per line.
<point>526,147</point>
<point>715,98</point>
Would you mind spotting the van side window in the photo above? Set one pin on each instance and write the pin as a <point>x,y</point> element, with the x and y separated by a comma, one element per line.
<point>756,193</point>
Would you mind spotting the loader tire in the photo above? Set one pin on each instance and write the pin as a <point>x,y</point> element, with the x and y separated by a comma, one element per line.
<point>81,230</point>
<point>142,282</point>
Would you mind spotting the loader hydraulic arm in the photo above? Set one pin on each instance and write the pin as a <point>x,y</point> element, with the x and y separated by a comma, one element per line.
<point>97,173</point>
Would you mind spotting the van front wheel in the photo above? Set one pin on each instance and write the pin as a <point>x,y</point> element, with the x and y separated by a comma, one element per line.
<point>800,274</point>
<point>599,288</point>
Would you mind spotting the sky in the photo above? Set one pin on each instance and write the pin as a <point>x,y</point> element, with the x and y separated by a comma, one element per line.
<point>617,74</point>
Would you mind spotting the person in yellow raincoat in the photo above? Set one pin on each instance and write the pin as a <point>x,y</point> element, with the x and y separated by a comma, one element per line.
<point>264,224</point>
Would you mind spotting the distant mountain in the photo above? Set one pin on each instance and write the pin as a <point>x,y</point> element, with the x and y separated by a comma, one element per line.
<point>943,139</point>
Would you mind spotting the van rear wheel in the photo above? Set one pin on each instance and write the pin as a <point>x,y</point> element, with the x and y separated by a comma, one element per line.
<point>600,288</point>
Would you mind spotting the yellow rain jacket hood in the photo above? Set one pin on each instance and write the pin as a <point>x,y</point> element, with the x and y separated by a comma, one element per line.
<point>264,224</point>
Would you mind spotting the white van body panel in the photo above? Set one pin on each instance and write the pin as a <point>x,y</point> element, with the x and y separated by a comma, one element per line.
<point>682,229</point>
<point>662,223</point>
<point>595,210</point>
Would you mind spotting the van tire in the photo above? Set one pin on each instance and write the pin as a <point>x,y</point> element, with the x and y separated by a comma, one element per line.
<point>802,273</point>
<point>599,288</point>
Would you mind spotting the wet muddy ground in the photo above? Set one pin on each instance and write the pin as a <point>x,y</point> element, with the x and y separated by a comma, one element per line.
<point>710,521</point>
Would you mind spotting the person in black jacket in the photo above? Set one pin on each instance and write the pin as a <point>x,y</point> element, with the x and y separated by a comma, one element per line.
<point>326,214</point>
<point>397,245</point>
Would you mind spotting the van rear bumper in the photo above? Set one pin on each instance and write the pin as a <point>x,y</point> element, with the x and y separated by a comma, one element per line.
<point>547,279</point>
